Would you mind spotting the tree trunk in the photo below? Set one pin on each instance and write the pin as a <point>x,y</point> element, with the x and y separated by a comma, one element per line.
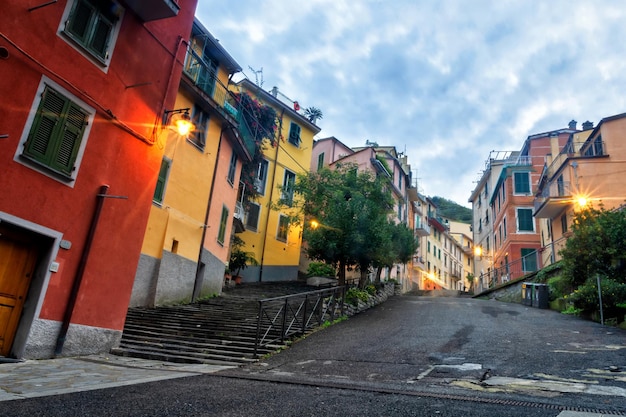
<point>341,276</point>
<point>363,277</point>
<point>379,271</point>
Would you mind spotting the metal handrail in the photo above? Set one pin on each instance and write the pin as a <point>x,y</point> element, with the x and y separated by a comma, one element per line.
<point>280,318</point>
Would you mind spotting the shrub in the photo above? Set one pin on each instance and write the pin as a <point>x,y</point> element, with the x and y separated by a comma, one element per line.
<point>585,297</point>
<point>353,295</point>
<point>320,269</point>
<point>371,289</point>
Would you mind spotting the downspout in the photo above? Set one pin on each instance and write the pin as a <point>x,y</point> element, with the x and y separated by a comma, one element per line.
<point>205,225</point>
<point>267,217</point>
<point>71,303</point>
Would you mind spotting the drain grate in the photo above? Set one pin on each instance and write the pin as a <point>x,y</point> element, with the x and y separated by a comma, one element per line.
<point>454,397</point>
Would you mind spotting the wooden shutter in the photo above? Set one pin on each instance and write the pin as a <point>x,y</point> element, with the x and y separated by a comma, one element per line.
<point>159,191</point>
<point>56,133</point>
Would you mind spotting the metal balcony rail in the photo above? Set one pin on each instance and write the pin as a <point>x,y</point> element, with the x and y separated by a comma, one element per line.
<point>280,318</point>
<point>511,271</point>
<point>205,78</point>
<point>556,189</point>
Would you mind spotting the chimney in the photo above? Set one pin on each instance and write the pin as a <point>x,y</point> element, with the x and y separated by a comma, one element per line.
<point>572,124</point>
<point>587,125</point>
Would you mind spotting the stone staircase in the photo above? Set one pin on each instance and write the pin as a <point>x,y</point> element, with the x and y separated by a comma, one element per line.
<point>220,330</point>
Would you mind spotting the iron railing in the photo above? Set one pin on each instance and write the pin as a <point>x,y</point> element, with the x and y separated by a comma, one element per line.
<point>281,318</point>
<point>510,271</point>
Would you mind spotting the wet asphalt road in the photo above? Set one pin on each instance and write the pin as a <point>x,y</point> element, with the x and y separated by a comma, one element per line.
<point>410,356</point>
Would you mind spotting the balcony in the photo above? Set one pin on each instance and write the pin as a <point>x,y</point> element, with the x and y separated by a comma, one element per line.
<point>204,78</point>
<point>149,10</point>
<point>518,160</point>
<point>554,199</point>
<point>422,228</point>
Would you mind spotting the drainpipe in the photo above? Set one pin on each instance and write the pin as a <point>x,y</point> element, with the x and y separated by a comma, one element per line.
<point>267,217</point>
<point>71,303</point>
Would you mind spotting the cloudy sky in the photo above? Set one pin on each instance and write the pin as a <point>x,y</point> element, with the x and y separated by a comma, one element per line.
<point>447,81</point>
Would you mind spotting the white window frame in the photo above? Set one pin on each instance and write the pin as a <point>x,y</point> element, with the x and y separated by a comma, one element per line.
<point>101,63</point>
<point>517,220</point>
<point>71,180</point>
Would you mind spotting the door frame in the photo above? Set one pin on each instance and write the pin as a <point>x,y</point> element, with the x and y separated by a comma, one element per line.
<point>50,241</point>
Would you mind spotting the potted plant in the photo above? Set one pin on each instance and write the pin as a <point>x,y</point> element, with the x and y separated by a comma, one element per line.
<point>239,259</point>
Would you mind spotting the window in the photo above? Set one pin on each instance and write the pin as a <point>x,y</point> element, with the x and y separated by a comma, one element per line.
<point>439,253</point>
<point>503,192</point>
<point>283,228</point>
<point>525,221</point>
<point>164,172</point>
<point>400,180</point>
<point>287,192</point>
<point>294,134</point>
<point>504,224</point>
<point>252,216</point>
<point>93,26</point>
<point>428,248</point>
<point>201,122</point>
<point>56,138</point>
<point>261,177</point>
<point>529,259</point>
<point>320,161</point>
<point>232,168</point>
<point>221,234</point>
<point>564,223</point>
<point>521,182</point>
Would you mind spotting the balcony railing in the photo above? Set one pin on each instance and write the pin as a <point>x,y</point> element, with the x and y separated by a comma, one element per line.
<point>422,228</point>
<point>205,78</point>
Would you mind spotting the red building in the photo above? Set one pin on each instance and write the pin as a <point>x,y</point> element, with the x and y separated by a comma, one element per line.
<point>516,236</point>
<point>85,85</point>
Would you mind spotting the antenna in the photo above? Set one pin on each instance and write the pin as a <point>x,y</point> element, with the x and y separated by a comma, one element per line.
<point>256,75</point>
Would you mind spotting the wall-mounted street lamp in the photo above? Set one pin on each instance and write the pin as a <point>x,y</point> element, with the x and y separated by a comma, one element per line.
<point>179,120</point>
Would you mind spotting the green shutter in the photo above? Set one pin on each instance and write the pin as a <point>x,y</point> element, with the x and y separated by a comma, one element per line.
<point>223,222</point>
<point>57,130</point>
<point>525,218</point>
<point>159,191</point>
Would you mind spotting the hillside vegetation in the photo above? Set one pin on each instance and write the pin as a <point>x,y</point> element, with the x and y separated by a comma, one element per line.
<point>452,211</point>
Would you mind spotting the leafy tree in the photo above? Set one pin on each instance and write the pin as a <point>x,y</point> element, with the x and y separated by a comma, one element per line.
<point>451,210</point>
<point>351,209</point>
<point>597,246</point>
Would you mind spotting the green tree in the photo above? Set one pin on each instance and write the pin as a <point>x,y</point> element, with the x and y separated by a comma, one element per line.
<point>597,246</point>
<point>313,114</point>
<point>351,210</point>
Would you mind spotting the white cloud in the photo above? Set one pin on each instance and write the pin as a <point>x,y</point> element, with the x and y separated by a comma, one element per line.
<point>450,81</point>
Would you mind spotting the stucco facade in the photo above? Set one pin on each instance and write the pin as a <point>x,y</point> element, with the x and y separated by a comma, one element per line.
<point>269,237</point>
<point>80,161</point>
<point>590,165</point>
<point>187,242</point>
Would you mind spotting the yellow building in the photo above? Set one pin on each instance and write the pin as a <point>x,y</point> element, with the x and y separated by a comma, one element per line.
<point>186,244</point>
<point>269,236</point>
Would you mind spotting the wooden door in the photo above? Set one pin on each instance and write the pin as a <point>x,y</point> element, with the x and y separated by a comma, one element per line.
<point>17,265</point>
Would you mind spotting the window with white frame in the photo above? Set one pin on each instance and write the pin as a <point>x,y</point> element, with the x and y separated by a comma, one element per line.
<point>525,220</point>
<point>261,177</point>
<point>521,183</point>
<point>289,181</point>
<point>92,27</point>
<point>55,134</point>
<point>232,168</point>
